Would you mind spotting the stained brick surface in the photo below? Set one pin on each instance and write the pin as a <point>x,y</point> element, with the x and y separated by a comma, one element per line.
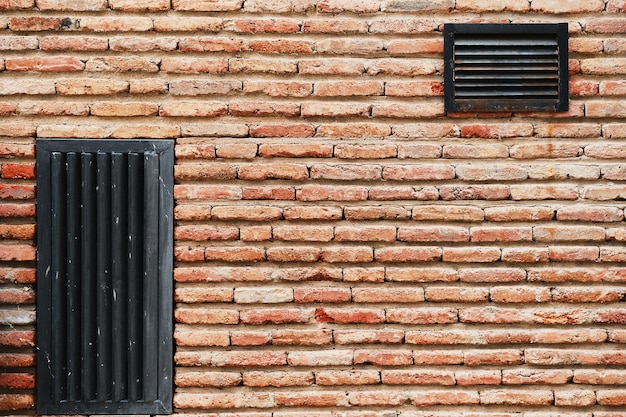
<point>343,247</point>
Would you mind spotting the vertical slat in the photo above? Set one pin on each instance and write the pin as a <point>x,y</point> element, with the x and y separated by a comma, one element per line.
<point>135,275</point>
<point>103,242</point>
<point>88,271</point>
<point>58,274</point>
<point>151,273</point>
<point>119,238</point>
<point>166,284</point>
<point>73,276</point>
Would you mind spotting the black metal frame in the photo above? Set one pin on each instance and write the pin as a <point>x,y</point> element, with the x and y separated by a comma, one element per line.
<point>104,276</point>
<point>454,103</point>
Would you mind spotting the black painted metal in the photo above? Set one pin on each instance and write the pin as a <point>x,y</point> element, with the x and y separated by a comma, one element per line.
<point>506,67</point>
<point>104,276</point>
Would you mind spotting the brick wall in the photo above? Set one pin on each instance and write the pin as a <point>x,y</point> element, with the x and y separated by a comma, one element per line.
<point>344,248</point>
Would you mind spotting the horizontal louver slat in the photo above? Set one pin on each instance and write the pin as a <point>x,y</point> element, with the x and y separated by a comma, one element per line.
<point>504,67</point>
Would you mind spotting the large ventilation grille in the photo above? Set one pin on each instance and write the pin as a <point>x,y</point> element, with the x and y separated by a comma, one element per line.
<point>104,291</point>
<point>506,67</point>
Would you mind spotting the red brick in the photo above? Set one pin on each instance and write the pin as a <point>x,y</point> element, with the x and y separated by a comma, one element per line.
<point>264,26</point>
<point>278,88</point>
<point>353,130</point>
<point>277,379</point>
<point>385,295</point>
<point>320,358</point>
<point>426,130</point>
<point>303,233</point>
<point>574,254</point>
<point>364,274</point>
<point>208,379</point>
<point>46,64</point>
<point>211,44</point>
<point>404,67</point>
<point>296,254</point>
<point>501,234</point>
<point>312,213</point>
<point>587,295</point>
<point>336,25</point>
<point>567,6</point>
<point>332,193</point>
<point>256,172</point>
<point>544,192</point>
<point>275,316</point>
<point>425,377</point>
<point>269,193</point>
<point>17,296</point>
<point>194,66</point>
<point>16,338</point>
<point>350,46</point>
<point>377,398</point>
<point>614,45</point>
<point>17,402</point>
<point>403,193</point>
<point>370,151</point>
<point>302,337</point>
<point>433,398</point>
<point>207,5</point>
<point>17,275</point>
<point>348,337</point>
<point>568,233</point>
<point>455,294</point>
<point>520,294</point>
<point>19,252</point>
<point>201,315</point>
<point>531,377</point>
<point>421,274</point>
<point>408,111</point>
<point>599,377</point>
<point>474,192</point>
<point>413,88</point>
<point>17,210</point>
<point>348,88</point>
<point>236,150</point>
<point>204,87</point>
<point>195,171</point>
<point>354,315</point>
<point>493,6</point>
<point>382,357</point>
<point>281,46</point>
<point>433,234</point>
<point>234,254</point>
<point>365,234</point>
<point>429,315</point>
<point>408,254</point>
<point>516,397</point>
<point>492,275</point>
<point>575,398</point>
<point>137,6</point>
<point>614,397</point>
<point>187,24</point>
<point>186,336</point>
<point>422,172</point>
<point>16,4</point>
<point>474,377</point>
<point>116,24</point>
<point>284,130</point>
<point>207,192</point>
<point>405,47</point>
<point>264,66</point>
<point>526,214</point>
<point>40,23</point>
<point>312,399</point>
<point>18,231</point>
<point>376,213</point>
<point>471,254</point>
<point>350,377</point>
<point>497,131</point>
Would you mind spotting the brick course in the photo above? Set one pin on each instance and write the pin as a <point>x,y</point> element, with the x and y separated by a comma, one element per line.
<point>343,247</point>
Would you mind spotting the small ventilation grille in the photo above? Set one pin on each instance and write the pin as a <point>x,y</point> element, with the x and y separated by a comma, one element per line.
<point>104,326</point>
<point>514,67</point>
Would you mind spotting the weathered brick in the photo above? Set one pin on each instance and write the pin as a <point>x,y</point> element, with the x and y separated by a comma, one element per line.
<point>122,64</point>
<point>45,64</point>
<point>349,46</point>
<point>16,4</point>
<point>136,44</point>
<point>383,357</point>
<point>404,67</point>
<point>90,86</point>
<point>416,6</point>
<point>354,315</point>
<point>262,66</point>
<point>139,6</point>
<point>116,24</point>
<point>520,294</point>
<point>351,377</point>
<point>114,109</point>
<point>277,379</point>
<point>567,6</point>
<point>475,192</point>
<point>493,6</point>
<point>433,234</point>
<point>336,25</point>
<point>194,66</point>
<point>492,275</point>
<point>471,254</point>
<point>40,23</point>
<point>544,192</point>
<point>441,397</point>
<point>207,5</point>
<point>278,88</point>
